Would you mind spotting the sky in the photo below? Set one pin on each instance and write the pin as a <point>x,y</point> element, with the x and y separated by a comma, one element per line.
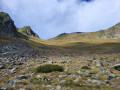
<point>49,18</point>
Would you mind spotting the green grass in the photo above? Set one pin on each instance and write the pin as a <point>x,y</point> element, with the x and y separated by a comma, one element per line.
<point>61,36</point>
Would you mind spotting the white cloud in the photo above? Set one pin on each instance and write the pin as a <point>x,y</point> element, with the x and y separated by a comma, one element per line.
<point>49,18</point>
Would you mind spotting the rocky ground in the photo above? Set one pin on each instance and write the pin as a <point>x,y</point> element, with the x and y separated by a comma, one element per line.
<point>14,54</point>
<point>92,71</point>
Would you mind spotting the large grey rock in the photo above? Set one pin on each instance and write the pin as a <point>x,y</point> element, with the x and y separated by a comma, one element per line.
<point>12,81</point>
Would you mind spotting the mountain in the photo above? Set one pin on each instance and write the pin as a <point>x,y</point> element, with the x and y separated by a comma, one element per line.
<point>27,31</point>
<point>110,33</point>
<point>7,26</point>
<point>75,36</point>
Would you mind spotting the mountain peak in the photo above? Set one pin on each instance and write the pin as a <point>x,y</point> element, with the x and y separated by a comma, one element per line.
<point>28,31</point>
<point>7,26</point>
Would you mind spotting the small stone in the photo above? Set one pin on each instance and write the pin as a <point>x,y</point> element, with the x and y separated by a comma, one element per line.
<point>50,62</point>
<point>38,76</point>
<point>2,67</point>
<point>66,68</point>
<point>58,87</point>
<point>111,75</point>
<point>89,81</point>
<point>103,70</point>
<point>49,86</point>
<point>79,72</point>
<point>3,88</point>
<point>99,64</point>
<point>21,89</point>
<point>94,58</point>
<point>62,81</point>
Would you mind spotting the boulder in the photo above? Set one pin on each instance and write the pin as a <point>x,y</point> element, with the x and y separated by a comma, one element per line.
<point>12,81</point>
<point>117,67</point>
<point>99,64</point>
<point>111,75</point>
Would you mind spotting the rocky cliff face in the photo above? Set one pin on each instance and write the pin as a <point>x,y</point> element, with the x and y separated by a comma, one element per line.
<point>7,26</point>
<point>28,31</point>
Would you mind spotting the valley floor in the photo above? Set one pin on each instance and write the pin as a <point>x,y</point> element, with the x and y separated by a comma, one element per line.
<point>88,64</point>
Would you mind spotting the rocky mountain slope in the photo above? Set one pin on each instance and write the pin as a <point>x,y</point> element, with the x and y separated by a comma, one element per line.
<point>112,32</point>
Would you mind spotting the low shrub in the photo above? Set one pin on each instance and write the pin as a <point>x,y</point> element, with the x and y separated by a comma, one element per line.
<point>85,67</point>
<point>49,68</point>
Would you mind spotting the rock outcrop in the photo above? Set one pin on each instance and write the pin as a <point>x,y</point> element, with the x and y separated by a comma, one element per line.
<point>7,26</point>
<point>27,31</point>
<point>111,33</point>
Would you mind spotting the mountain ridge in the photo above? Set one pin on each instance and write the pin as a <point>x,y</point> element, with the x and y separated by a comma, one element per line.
<point>110,33</point>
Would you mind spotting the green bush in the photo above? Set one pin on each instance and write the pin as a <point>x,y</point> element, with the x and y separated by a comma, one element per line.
<point>49,68</point>
<point>85,67</point>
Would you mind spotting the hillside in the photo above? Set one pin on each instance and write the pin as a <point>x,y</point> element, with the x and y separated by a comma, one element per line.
<point>112,32</point>
<point>70,61</point>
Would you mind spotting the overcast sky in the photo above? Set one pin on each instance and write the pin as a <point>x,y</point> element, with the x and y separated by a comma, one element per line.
<point>48,18</point>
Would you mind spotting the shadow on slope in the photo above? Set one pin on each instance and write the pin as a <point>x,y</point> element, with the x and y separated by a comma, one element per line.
<point>108,48</point>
